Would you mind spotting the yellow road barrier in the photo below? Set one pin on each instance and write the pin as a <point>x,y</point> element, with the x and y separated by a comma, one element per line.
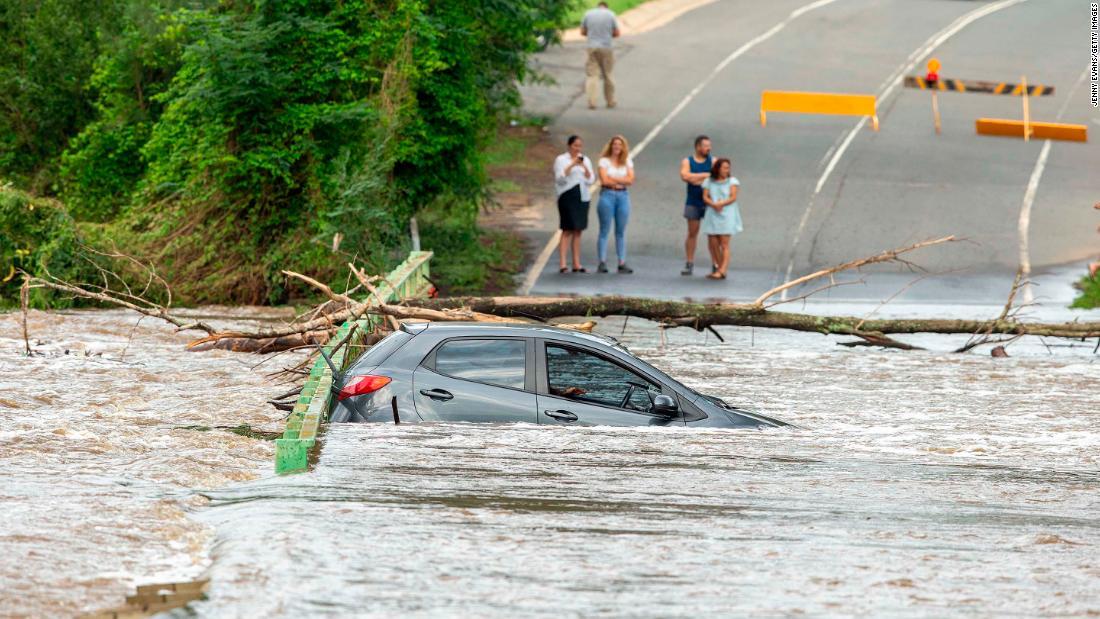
<point>817,103</point>
<point>1039,131</point>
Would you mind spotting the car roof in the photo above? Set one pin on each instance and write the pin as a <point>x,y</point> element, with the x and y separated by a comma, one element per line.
<point>515,329</point>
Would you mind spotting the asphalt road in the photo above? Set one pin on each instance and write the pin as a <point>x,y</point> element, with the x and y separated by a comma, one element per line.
<point>820,190</point>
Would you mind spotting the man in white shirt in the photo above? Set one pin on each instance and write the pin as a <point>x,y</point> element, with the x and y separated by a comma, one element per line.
<point>600,26</point>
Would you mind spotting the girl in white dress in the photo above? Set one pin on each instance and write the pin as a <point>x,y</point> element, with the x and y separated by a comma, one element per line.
<point>723,217</point>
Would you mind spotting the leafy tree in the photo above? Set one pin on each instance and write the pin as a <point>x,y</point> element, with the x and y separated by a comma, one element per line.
<point>226,140</point>
<point>46,60</point>
<point>103,164</point>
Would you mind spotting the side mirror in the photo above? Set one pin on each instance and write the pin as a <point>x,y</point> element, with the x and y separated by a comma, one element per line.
<point>665,405</point>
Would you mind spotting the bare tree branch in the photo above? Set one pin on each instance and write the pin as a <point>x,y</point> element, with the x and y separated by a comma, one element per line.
<point>891,255</point>
<point>24,302</point>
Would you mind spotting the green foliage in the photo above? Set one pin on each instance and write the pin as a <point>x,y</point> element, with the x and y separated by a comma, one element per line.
<point>505,149</point>
<point>38,236</point>
<point>470,260</point>
<point>46,59</point>
<point>583,6</point>
<point>227,141</point>
<point>274,131</point>
<point>1090,293</point>
<point>103,163</point>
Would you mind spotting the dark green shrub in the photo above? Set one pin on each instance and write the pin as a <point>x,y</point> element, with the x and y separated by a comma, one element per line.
<point>39,237</point>
<point>1090,293</point>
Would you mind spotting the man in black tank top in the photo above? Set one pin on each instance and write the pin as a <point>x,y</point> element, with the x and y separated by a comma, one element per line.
<point>694,170</point>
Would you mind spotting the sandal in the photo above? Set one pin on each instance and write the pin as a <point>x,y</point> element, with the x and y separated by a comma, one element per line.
<point>563,270</point>
<point>580,270</point>
<point>716,276</point>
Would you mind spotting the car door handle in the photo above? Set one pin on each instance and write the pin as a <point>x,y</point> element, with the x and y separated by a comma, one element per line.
<point>562,415</point>
<point>437,394</point>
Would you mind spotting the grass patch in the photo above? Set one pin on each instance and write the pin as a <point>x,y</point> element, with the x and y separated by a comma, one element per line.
<point>1090,293</point>
<point>469,260</point>
<point>505,185</point>
<point>505,150</point>
<point>618,6</point>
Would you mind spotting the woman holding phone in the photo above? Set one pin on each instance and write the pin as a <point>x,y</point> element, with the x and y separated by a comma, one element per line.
<point>722,219</point>
<point>573,177</point>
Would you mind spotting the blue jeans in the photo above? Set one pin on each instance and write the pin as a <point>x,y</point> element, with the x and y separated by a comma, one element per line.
<point>614,204</point>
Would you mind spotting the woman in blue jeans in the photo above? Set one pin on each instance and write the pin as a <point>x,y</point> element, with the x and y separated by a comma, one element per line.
<point>616,171</point>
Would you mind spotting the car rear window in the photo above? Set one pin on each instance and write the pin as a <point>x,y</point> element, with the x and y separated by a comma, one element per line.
<point>495,362</point>
<point>378,353</point>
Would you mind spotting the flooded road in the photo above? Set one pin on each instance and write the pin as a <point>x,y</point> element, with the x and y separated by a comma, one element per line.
<point>917,484</point>
<point>101,446</point>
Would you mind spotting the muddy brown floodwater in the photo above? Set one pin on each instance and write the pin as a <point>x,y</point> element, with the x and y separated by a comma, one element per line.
<point>97,464</point>
<point>916,484</point>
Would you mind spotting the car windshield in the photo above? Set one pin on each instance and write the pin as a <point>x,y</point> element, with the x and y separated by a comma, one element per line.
<point>649,366</point>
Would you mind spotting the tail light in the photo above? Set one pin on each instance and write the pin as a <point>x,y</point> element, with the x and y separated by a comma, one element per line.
<point>361,385</point>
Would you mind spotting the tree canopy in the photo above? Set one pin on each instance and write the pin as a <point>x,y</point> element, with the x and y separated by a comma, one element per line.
<point>227,140</point>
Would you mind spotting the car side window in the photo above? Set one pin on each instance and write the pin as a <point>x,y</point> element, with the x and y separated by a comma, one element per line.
<point>582,376</point>
<point>491,361</point>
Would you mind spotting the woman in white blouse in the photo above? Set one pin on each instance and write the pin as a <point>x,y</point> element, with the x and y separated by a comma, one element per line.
<point>573,177</point>
<point>616,170</point>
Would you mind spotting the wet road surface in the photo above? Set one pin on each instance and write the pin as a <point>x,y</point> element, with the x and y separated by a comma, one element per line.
<point>815,190</point>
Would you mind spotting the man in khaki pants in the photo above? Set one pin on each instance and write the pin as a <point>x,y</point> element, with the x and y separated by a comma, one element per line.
<point>600,26</point>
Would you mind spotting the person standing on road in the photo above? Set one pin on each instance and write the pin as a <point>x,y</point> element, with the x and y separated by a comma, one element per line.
<point>573,177</point>
<point>695,169</point>
<point>600,26</point>
<point>723,216</point>
<point>616,170</point>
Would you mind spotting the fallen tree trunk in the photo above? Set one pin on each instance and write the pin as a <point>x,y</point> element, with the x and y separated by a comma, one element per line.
<point>322,321</point>
<point>262,345</point>
<point>699,316</point>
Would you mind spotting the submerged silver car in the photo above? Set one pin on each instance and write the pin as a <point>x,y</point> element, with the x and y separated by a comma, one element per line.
<point>520,373</point>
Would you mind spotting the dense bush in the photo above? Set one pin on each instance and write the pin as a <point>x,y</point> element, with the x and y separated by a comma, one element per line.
<point>46,60</point>
<point>103,163</point>
<point>226,141</point>
<point>38,236</point>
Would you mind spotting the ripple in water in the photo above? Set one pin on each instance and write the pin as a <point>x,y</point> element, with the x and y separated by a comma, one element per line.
<point>917,484</point>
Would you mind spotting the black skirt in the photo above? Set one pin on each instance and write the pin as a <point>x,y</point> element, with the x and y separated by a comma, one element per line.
<point>572,211</point>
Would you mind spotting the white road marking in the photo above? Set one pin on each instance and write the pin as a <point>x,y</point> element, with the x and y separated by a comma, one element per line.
<point>1025,218</point>
<point>536,268</point>
<point>737,53</point>
<point>544,256</point>
<point>829,153</point>
<point>885,90</point>
<point>1023,225</point>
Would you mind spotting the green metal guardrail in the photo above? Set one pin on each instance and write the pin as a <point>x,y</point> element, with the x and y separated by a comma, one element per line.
<point>409,279</point>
